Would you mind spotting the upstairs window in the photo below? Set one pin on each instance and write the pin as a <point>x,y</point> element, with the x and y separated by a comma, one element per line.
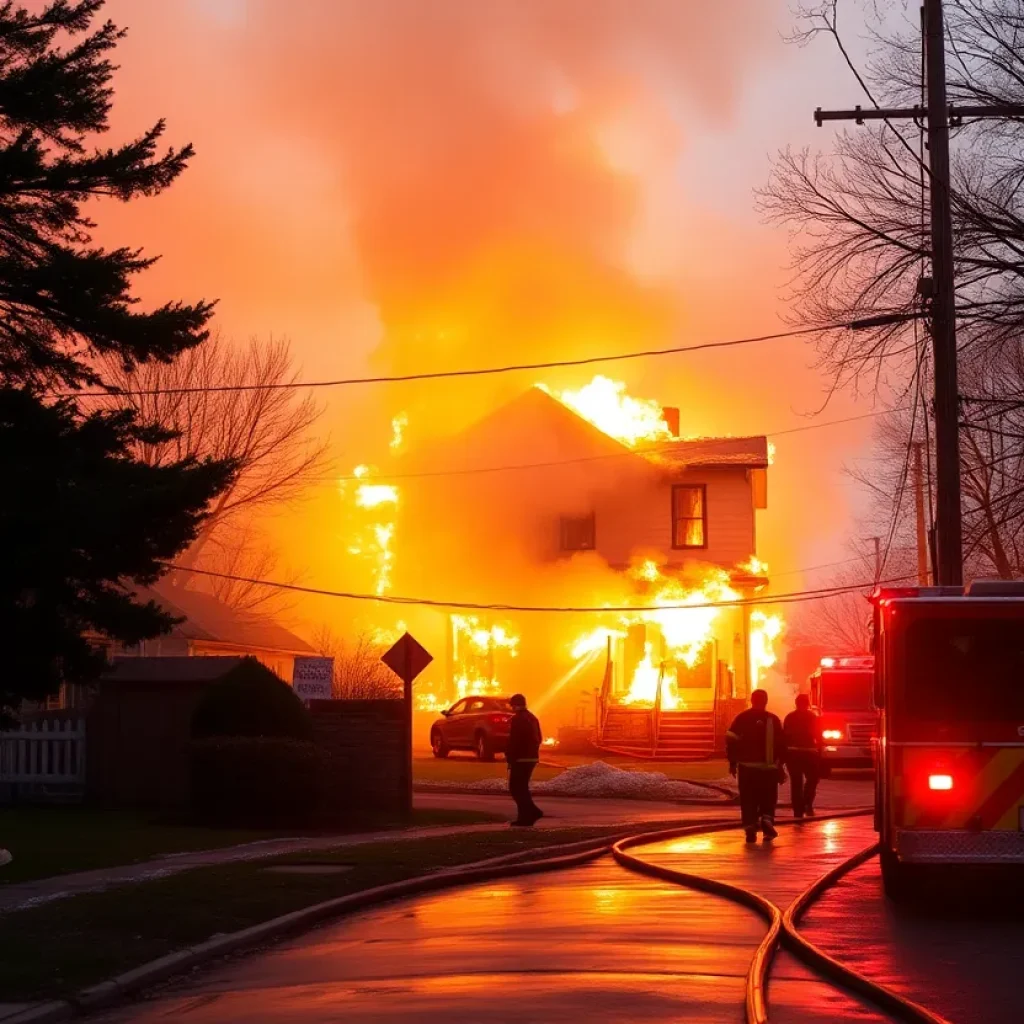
<point>577,534</point>
<point>689,516</point>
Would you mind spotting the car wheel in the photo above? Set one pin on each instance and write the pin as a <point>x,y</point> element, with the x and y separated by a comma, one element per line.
<point>438,745</point>
<point>484,750</point>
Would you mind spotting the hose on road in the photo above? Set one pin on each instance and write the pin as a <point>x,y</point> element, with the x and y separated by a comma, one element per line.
<point>781,927</point>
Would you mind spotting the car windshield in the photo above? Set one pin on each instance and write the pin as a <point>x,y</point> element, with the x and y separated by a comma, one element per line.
<point>497,704</point>
<point>846,691</point>
<point>964,670</point>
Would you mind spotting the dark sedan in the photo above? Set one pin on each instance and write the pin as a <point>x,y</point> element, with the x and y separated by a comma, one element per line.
<point>479,724</point>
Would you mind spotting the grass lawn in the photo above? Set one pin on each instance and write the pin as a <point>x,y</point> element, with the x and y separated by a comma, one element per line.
<point>58,948</point>
<point>47,841</point>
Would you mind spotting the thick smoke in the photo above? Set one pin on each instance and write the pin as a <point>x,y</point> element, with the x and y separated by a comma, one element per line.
<point>494,156</point>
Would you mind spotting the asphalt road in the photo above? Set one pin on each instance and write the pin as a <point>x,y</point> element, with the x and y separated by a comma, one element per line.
<point>605,944</point>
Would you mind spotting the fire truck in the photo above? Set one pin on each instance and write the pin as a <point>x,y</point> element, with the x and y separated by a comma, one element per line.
<point>949,684</point>
<point>841,693</point>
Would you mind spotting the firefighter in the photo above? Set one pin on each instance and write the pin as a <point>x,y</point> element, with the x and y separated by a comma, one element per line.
<point>521,756</point>
<point>803,756</point>
<point>756,748</point>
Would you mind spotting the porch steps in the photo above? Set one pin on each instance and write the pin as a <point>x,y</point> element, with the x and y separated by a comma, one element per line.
<point>682,736</point>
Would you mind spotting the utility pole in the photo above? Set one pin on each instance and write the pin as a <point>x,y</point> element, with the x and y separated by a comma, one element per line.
<point>922,532</point>
<point>943,323</point>
<point>877,541</point>
<point>938,116</point>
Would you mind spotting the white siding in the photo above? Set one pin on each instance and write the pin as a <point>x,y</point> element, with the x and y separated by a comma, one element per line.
<point>640,522</point>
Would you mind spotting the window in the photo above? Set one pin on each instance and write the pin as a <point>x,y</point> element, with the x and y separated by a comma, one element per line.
<point>459,708</point>
<point>476,706</point>
<point>577,534</point>
<point>689,516</point>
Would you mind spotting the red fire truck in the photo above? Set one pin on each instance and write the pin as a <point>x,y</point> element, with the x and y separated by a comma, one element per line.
<point>841,693</point>
<point>949,683</point>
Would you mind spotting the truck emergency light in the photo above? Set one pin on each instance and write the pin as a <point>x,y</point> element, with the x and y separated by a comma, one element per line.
<point>831,734</point>
<point>941,782</point>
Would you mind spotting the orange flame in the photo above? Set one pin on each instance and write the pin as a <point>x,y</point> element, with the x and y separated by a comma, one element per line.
<point>604,403</point>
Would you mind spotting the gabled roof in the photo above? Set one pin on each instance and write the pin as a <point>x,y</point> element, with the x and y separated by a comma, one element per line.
<point>169,670</point>
<point>539,427</point>
<point>212,621</point>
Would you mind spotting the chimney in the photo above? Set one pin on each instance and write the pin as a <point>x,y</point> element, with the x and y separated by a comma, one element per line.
<point>671,417</point>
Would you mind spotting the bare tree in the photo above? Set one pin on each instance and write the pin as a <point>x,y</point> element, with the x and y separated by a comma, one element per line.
<point>239,552</point>
<point>236,403</point>
<point>859,218</point>
<point>359,673</point>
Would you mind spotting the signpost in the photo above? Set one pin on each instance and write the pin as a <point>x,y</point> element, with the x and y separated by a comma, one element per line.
<point>313,678</point>
<point>407,659</point>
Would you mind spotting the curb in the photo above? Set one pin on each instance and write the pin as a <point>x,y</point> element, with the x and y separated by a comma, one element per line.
<point>722,797</point>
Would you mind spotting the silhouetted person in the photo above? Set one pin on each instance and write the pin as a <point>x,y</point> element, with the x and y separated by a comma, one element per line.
<point>756,748</point>
<point>803,755</point>
<point>522,754</point>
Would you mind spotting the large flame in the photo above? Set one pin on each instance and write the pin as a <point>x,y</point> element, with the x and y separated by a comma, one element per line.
<point>687,631</point>
<point>604,403</point>
<point>477,648</point>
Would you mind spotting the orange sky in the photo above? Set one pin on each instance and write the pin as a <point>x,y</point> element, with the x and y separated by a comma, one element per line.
<point>411,185</point>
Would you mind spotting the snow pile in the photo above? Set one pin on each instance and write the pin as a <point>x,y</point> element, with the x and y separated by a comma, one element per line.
<point>599,779</point>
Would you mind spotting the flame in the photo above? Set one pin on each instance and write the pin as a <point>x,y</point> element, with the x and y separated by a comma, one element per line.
<point>771,453</point>
<point>764,631</point>
<point>593,641</point>
<point>643,687</point>
<point>550,741</point>
<point>372,495</point>
<point>604,403</point>
<point>686,631</point>
<point>398,425</point>
<point>754,566</point>
<point>475,648</point>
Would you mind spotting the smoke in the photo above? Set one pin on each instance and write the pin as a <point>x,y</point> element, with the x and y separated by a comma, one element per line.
<point>495,157</point>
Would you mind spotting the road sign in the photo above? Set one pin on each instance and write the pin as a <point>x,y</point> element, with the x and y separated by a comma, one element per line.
<point>407,658</point>
<point>313,678</point>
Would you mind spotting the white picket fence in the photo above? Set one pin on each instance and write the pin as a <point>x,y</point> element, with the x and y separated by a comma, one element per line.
<point>44,754</point>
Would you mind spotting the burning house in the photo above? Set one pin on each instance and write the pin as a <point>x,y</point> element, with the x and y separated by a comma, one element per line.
<point>574,501</point>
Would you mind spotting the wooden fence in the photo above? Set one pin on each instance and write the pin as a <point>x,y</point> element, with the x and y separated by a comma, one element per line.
<point>43,759</point>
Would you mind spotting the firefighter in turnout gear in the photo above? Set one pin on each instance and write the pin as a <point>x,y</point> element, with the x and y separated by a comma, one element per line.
<point>756,746</point>
<point>803,755</point>
<point>522,754</point>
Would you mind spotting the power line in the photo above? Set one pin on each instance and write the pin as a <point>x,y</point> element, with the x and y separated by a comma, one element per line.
<point>472,372</point>
<point>644,450</point>
<point>794,597</point>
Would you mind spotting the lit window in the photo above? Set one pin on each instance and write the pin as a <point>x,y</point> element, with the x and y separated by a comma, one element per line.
<point>689,517</point>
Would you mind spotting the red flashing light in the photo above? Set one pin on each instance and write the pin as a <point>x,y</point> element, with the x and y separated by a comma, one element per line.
<point>940,782</point>
<point>831,734</point>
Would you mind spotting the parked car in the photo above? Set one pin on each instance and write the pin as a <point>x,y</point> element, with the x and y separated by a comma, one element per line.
<point>479,724</point>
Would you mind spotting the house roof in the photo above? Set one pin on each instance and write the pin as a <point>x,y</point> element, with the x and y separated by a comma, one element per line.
<point>169,670</point>
<point>537,423</point>
<point>212,621</point>
<point>748,452</point>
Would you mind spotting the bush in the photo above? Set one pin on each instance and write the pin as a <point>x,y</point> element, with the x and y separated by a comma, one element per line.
<point>256,782</point>
<point>251,701</point>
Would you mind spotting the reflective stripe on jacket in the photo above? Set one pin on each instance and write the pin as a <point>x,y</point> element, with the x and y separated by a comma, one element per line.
<point>756,740</point>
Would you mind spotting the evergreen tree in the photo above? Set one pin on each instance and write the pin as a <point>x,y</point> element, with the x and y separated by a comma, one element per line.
<point>80,516</point>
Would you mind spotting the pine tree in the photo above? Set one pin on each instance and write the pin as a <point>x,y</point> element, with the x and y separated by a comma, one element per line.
<point>80,517</point>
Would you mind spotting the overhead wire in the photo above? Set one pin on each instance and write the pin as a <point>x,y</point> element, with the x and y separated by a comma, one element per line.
<point>793,597</point>
<point>465,372</point>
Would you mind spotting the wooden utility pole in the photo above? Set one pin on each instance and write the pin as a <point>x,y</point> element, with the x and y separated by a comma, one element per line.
<point>922,531</point>
<point>949,571</point>
<point>938,115</point>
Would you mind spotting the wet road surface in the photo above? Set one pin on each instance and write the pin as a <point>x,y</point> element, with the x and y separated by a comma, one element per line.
<point>598,942</point>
